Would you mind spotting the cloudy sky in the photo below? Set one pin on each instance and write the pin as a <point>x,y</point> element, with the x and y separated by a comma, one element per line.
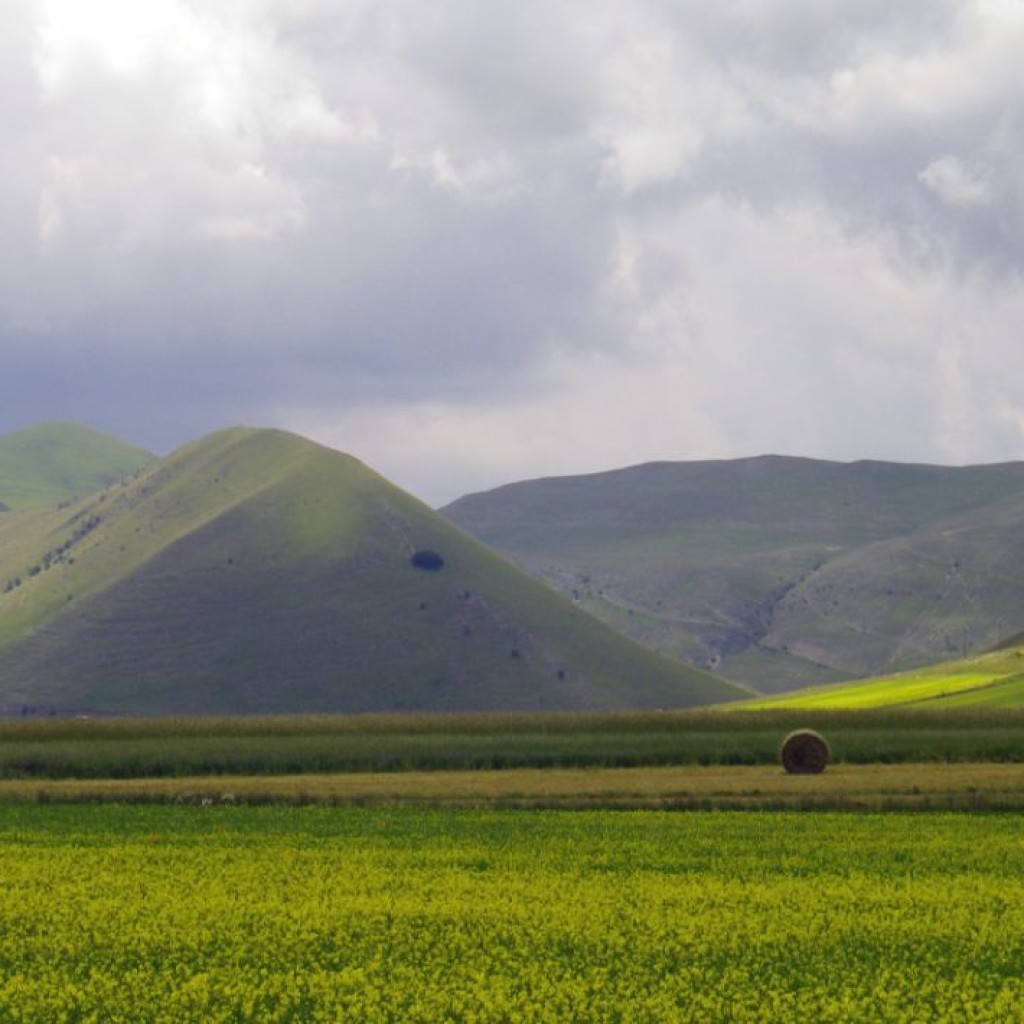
<point>475,241</point>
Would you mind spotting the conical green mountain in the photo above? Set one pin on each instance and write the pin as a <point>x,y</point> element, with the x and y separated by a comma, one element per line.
<point>54,462</point>
<point>254,571</point>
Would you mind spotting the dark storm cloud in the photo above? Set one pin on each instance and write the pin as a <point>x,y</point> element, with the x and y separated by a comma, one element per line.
<point>517,238</point>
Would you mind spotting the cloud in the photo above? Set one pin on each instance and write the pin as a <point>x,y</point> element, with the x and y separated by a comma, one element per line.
<point>470,244</point>
<point>735,349</point>
<point>955,183</point>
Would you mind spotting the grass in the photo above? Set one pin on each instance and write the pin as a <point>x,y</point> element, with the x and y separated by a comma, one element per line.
<point>993,680</point>
<point>185,747</point>
<point>55,462</point>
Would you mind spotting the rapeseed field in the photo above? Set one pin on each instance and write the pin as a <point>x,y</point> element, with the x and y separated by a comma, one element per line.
<point>224,914</point>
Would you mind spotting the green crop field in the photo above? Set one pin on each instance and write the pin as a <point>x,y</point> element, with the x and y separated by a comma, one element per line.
<point>991,680</point>
<point>225,914</point>
<point>291,745</point>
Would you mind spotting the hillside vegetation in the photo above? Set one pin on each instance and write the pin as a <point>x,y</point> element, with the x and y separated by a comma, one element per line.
<point>780,572</point>
<point>993,680</point>
<point>254,571</point>
<point>54,462</point>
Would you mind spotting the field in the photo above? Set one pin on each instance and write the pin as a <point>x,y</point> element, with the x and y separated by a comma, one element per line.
<point>126,749</point>
<point>992,680</point>
<point>762,787</point>
<point>305,914</point>
<point>511,868</point>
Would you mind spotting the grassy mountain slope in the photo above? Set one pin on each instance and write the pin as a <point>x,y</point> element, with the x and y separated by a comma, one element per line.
<point>995,679</point>
<point>54,462</point>
<point>778,571</point>
<point>931,595</point>
<point>254,571</point>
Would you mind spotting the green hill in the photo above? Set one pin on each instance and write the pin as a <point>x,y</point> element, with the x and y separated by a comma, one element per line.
<point>989,680</point>
<point>780,572</point>
<point>54,462</point>
<point>254,571</point>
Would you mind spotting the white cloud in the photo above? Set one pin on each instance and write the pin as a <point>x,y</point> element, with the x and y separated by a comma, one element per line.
<point>941,75</point>
<point>662,102</point>
<point>164,121</point>
<point>956,183</point>
<point>118,35</point>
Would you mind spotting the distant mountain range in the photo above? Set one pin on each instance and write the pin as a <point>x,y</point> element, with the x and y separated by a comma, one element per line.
<point>778,572</point>
<point>254,571</point>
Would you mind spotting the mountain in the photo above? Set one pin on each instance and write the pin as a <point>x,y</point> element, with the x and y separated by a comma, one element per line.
<point>779,572</point>
<point>54,462</point>
<point>254,571</point>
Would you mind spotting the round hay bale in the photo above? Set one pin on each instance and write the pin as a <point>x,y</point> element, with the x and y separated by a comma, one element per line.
<point>805,752</point>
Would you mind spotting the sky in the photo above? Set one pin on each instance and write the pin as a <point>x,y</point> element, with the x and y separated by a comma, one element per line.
<point>478,242</point>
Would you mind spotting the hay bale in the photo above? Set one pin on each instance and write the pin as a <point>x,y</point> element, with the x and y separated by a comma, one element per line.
<point>805,752</point>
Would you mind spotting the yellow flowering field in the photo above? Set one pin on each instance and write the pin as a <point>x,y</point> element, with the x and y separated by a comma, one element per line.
<point>163,913</point>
